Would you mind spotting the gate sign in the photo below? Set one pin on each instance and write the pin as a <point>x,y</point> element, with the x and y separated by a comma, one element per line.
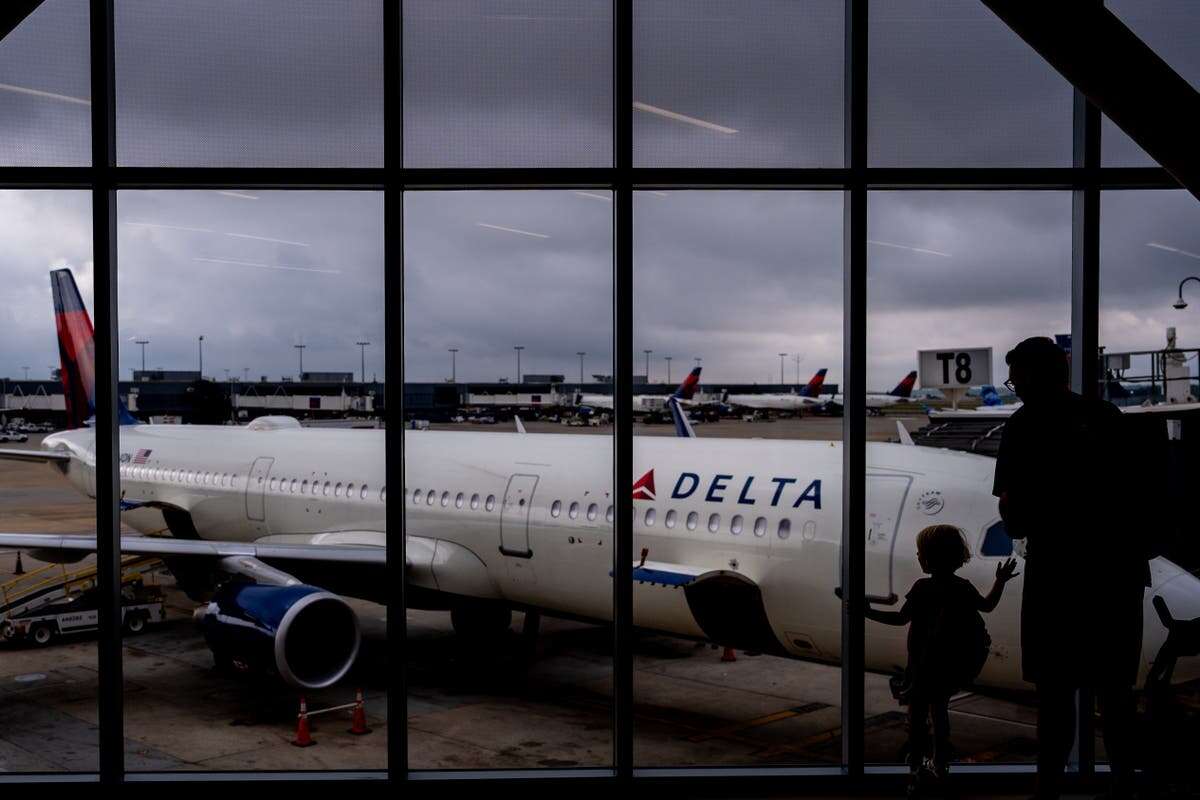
<point>955,368</point>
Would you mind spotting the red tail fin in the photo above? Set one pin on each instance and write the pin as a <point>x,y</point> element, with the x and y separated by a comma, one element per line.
<point>76,348</point>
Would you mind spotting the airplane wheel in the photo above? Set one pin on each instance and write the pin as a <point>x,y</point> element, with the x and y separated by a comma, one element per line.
<point>43,635</point>
<point>480,622</point>
<point>135,623</point>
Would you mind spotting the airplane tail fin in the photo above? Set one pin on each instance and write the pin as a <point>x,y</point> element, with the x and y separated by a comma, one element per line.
<point>990,396</point>
<point>687,389</point>
<point>813,388</point>
<point>904,388</point>
<point>77,352</point>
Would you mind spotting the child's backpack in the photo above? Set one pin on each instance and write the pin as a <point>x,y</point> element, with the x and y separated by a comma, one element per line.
<point>958,647</point>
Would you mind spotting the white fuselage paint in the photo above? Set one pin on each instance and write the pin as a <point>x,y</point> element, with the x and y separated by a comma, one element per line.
<point>775,401</point>
<point>210,472</point>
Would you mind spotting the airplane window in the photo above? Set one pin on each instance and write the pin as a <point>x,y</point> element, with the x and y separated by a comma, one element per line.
<point>650,516</point>
<point>304,487</point>
<point>445,499</point>
<point>592,511</point>
<point>337,489</point>
<point>416,495</point>
<point>608,514</point>
<point>556,508</point>
<point>735,524</point>
<point>383,495</point>
<point>490,503</point>
<point>785,528</point>
<point>996,541</point>
<point>669,520</point>
<point>349,490</point>
<point>272,486</point>
<point>693,519</point>
<point>714,522</point>
<point>325,489</point>
<point>362,494</point>
<point>474,501</point>
<point>429,497</point>
<point>573,511</point>
<point>760,526</point>
<point>458,499</point>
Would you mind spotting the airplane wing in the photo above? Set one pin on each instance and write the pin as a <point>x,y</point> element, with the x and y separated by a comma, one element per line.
<point>163,546</point>
<point>36,456</point>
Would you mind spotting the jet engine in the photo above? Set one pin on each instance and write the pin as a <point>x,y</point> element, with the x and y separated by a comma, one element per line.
<point>305,635</point>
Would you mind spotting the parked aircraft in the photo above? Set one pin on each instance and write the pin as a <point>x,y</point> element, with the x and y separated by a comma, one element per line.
<point>877,401</point>
<point>739,541</point>
<point>807,397</point>
<point>643,404</point>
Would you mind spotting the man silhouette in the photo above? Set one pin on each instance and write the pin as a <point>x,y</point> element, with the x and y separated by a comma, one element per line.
<point>1085,572</point>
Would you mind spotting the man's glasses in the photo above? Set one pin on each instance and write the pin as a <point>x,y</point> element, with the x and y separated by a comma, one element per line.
<point>1008,384</point>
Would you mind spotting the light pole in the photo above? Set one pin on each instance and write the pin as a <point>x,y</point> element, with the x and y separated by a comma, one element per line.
<point>1181,303</point>
<point>200,345</point>
<point>698,361</point>
<point>518,348</point>
<point>581,354</point>
<point>453,364</point>
<point>782,356</point>
<point>647,352</point>
<point>245,374</point>
<point>668,360</point>
<point>300,350</point>
<point>362,347</point>
<point>797,368</point>
<point>26,372</point>
<point>142,343</point>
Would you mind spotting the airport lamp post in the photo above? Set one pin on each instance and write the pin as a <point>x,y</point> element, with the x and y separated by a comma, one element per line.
<point>647,352</point>
<point>453,364</point>
<point>26,372</point>
<point>782,356</point>
<point>300,350</point>
<point>581,354</point>
<point>142,343</point>
<point>1181,304</point>
<point>200,345</point>
<point>518,348</point>
<point>362,346</point>
<point>668,360</point>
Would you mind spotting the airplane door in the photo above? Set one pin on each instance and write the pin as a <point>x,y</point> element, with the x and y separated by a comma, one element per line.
<point>514,516</point>
<point>256,489</point>
<point>886,495</point>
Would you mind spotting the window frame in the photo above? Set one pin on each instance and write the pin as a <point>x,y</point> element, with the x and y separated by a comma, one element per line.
<point>103,178</point>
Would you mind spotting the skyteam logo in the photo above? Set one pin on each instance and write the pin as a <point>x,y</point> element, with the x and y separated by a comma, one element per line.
<point>643,489</point>
<point>747,491</point>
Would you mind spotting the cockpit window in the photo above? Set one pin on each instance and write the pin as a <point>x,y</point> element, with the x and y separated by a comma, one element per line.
<point>996,542</point>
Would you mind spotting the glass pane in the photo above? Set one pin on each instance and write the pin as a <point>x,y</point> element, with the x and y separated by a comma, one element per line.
<point>525,83</point>
<point>247,323</point>
<point>1170,28</point>
<point>728,84</point>
<point>509,649</point>
<point>45,88</point>
<point>48,679</point>
<point>952,85</point>
<point>738,535</point>
<point>226,83</point>
<point>963,275</point>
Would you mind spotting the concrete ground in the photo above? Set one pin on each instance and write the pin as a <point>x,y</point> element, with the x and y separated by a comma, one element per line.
<point>503,708</point>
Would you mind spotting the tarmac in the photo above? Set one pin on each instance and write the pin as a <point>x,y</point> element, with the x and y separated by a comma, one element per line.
<point>513,706</point>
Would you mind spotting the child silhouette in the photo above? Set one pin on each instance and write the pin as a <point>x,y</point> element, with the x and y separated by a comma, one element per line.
<point>947,643</point>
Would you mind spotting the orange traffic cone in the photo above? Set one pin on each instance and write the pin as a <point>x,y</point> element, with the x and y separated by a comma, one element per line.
<point>20,570</point>
<point>358,719</point>
<point>303,734</point>
<point>728,655</point>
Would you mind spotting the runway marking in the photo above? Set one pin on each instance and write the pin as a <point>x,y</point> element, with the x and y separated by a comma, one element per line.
<point>757,722</point>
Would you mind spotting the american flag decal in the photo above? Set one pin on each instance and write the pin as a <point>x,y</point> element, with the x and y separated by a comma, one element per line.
<point>142,456</point>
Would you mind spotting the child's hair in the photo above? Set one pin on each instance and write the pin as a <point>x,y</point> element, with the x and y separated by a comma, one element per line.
<point>942,547</point>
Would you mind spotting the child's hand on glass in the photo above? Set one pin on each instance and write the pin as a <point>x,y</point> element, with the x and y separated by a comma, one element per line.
<point>1007,571</point>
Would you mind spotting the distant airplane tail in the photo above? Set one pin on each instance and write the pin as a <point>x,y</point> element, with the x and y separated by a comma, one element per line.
<point>77,352</point>
<point>813,388</point>
<point>687,389</point>
<point>904,388</point>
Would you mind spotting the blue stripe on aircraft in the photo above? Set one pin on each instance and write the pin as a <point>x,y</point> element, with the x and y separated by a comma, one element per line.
<point>662,576</point>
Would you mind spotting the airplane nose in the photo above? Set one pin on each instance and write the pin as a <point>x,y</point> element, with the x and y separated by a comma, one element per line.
<point>1182,596</point>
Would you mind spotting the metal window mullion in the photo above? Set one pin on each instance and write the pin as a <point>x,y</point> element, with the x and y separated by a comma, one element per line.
<point>393,325</point>
<point>854,412</point>
<point>622,585</point>
<point>109,698</point>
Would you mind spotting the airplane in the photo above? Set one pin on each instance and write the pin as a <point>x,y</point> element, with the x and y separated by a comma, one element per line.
<point>643,404</point>
<point>877,401</point>
<point>739,540</point>
<point>807,397</point>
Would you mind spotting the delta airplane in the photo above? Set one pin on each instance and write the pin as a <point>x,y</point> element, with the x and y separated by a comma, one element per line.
<point>738,541</point>
<point>807,397</point>
<point>877,401</point>
<point>644,403</point>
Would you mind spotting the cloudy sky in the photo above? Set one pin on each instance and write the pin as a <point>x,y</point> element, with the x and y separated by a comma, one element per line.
<point>734,278</point>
